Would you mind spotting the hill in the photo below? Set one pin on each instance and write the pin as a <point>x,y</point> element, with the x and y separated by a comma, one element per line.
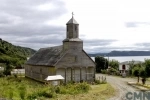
<point>14,55</point>
<point>123,53</point>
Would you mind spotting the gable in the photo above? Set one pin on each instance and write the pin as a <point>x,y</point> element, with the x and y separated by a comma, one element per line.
<point>75,59</point>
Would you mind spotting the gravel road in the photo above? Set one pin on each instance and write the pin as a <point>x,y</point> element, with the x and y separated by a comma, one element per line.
<point>120,84</point>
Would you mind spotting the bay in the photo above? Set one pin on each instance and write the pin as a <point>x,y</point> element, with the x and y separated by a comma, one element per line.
<point>127,58</point>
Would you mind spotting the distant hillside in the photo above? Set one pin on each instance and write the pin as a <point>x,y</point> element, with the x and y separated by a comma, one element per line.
<point>12,54</point>
<point>123,53</point>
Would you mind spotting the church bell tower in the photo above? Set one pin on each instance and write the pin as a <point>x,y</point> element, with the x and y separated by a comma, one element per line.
<point>72,28</point>
<point>72,35</point>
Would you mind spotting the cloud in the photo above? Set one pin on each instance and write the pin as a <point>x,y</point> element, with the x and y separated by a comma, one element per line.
<point>106,49</point>
<point>109,48</point>
<point>25,16</point>
<point>98,42</point>
<point>41,23</point>
<point>145,46</point>
<point>135,24</point>
<point>23,22</point>
<point>98,45</point>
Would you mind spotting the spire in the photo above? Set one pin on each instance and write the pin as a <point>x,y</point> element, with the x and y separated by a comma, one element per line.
<point>72,20</point>
<point>72,30</point>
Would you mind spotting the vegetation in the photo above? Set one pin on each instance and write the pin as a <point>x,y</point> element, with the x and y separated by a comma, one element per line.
<point>101,64</point>
<point>141,70</point>
<point>14,55</point>
<point>136,72</point>
<point>114,64</point>
<point>21,88</point>
<point>97,92</point>
<point>131,64</point>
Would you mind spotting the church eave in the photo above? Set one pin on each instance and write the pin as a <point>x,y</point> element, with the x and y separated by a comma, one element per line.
<point>72,39</point>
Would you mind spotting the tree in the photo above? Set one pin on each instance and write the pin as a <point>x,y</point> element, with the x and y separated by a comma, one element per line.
<point>8,69</point>
<point>114,64</point>
<point>136,72</point>
<point>131,66</point>
<point>147,67</point>
<point>101,63</point>
<point>143,74</point>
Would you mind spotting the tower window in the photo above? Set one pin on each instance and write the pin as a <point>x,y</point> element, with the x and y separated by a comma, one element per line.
<point>75,28</point>
<point>67,29</point>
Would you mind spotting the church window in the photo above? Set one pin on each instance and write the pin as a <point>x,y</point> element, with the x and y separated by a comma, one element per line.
<point>67,29</point>
<point>76,29</point>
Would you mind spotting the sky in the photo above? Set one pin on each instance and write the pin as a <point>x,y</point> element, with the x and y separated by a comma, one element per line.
<point>104,25</point>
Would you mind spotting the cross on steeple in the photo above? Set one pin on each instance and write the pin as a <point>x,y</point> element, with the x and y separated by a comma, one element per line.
<point>72,14</point>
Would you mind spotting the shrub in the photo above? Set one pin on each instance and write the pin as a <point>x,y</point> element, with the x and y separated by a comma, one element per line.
<point>32,96</point>
<point>15,75</point>
<point>73,88</point>
<point>104,71</point>
<point>22,92</point>
<point>42,93</point>
<point>1,74</point>
<point>45,93</point>
<point>97,81</point>
<point>83,87</point>
<point>57,89</point>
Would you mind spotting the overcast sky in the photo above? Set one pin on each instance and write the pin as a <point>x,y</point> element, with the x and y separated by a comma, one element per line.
<point>104,25</point>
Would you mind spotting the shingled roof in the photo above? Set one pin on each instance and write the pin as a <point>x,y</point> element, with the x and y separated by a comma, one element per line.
<point>46,56</point>
<point>72,21</point>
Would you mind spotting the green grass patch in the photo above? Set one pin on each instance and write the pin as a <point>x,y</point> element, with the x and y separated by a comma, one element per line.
<point>97,92</point>
<point>21,88</point>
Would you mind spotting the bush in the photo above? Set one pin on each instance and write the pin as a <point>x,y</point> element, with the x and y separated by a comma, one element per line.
<point>42,93</point>
<point>97,81</point>
<point>1,74</point>
<point>15,75</point>
<point>73,88</point>
<point>82,87</point>
<point>104,71</point>
<point>22,92</point>
<point>57,89</point>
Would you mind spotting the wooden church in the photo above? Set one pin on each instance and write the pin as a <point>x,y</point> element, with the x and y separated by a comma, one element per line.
<point>68,60</point>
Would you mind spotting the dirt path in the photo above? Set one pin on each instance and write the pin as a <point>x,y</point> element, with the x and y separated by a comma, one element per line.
<point>120,84</point>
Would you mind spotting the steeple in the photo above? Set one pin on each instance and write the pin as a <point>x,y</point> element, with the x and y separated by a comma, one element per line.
<point>72,31</point>
<point>72,41</point>
<point>72,20</point>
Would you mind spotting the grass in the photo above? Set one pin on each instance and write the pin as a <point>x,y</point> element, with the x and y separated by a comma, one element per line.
<point>97,92</point>
<point>18,88</point>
